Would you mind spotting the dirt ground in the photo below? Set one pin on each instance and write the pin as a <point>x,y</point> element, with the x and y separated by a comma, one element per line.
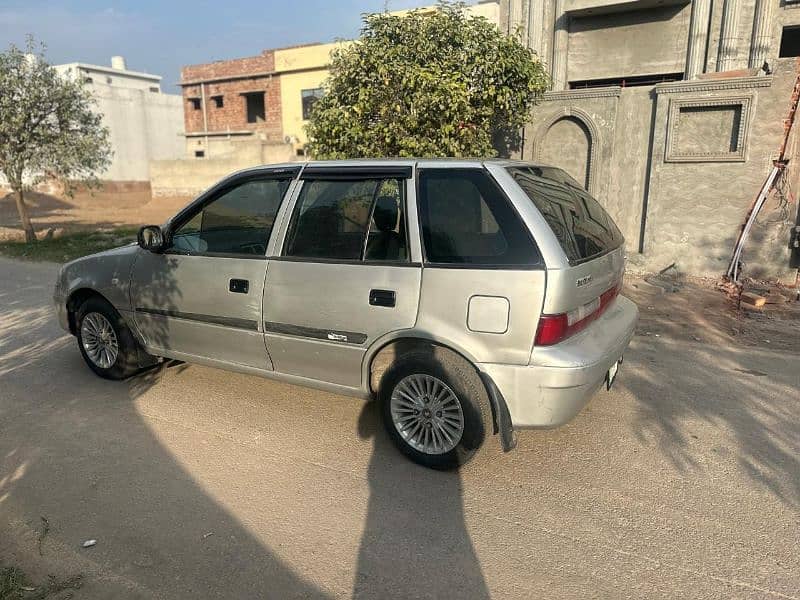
<point>699,310</point>
<point>87,210</point>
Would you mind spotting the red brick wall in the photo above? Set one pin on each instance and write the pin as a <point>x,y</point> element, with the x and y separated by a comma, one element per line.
<point>262,63</point>
<point>233,114</point>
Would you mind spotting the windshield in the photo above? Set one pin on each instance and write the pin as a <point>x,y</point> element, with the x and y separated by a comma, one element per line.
<point>582,227</point>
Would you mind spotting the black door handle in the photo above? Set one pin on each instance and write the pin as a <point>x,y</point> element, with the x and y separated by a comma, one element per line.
<point>382,298</point>
<point>239,286</point>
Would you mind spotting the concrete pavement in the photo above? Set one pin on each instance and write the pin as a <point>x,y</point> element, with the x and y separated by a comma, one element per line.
<point>684,481</point>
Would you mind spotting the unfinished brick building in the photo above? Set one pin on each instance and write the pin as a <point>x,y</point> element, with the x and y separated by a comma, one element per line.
<point>231,100</point>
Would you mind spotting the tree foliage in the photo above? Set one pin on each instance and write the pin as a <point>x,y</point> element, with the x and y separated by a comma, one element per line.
<point>427,83</point>
<point>48,128</point>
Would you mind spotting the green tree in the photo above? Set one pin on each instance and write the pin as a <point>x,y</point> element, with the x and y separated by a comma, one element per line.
<point>428,83</point>
<point>48,128</point>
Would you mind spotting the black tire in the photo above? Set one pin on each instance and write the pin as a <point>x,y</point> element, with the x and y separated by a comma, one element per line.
<point>462,378</point>
<point>127,360</point>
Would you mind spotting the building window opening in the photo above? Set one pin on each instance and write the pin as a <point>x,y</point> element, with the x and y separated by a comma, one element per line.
<point>255,107</point>
<point>790,42</point>
<point>109,80</point>
<point>218,102</point>
<point>195,103</point>
<point>625,81</point>
<point>309,98</point>
<point>199,153</point>
<point>87,80</point>
<point>154,89</point>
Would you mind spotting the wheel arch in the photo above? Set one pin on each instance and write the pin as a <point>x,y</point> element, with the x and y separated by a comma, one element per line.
<point>74,301</point>
<point>384,352</point>
<point>388,351</point>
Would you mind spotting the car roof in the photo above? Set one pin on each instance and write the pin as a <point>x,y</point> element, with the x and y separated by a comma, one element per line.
<point>409,162</point>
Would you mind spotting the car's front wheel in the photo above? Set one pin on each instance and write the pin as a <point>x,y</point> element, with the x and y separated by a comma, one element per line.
<point>435,408</point>
<point>105,342</point>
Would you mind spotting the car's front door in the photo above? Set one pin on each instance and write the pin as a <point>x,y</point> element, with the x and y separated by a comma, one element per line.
<point>346,274</point>
<point>201,297</point>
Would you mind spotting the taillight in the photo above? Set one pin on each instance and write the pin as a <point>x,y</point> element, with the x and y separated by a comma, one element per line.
<point>553,329</point>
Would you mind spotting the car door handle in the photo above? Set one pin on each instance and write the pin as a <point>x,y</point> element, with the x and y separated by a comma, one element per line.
<point>239,286</point>
<point>382,298</point>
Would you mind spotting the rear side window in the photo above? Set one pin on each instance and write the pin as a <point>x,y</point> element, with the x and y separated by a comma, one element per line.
<point>466,219</point>
<point>349,220</point>
<point>579,222</point>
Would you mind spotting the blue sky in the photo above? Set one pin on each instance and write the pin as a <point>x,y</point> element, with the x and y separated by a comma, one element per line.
<point>160,36</point>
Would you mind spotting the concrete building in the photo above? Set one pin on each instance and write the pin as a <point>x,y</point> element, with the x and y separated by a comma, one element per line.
<point>144,123</point>
<point>264,98</point>
<point>247,111</point>
<point>670,112</point>
<point>232,105</point>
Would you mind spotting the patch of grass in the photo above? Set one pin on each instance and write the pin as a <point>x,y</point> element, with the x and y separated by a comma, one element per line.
<point>70,245</point>
<point>12,583</point>
<point>15,586</point>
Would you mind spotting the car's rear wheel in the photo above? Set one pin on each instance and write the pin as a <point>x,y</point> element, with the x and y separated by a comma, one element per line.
<point>105,342</point>
<point>435,408</point>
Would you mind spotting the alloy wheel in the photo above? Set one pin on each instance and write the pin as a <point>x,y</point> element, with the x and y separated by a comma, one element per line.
<point>427,414</point>
<point>99,340</point>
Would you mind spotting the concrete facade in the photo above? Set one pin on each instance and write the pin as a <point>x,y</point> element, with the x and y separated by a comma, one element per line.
<point>662,110</point>
<point>144,123</point>
<point>302,69</point>
<point>187,177</point>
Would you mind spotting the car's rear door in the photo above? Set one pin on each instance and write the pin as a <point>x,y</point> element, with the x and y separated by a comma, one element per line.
<point>484,278</point>
<point>201,297</point>
<point>344,275</point>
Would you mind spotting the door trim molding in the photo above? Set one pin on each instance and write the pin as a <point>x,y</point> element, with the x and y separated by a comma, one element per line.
<point>234,322</point>
<point>329,335</point>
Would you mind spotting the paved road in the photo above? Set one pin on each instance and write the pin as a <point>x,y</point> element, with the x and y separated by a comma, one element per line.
<point>197,483</point>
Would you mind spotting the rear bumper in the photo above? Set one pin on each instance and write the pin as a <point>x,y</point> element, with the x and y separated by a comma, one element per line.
<point>561,379</point>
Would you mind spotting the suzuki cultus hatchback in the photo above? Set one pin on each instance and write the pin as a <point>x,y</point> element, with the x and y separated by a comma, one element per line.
<point>469,297</point>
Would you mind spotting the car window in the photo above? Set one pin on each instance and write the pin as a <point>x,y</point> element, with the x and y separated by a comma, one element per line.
<point>466,219</point>
<point>583,228</point>
<point>237,222</point>
<point>386,240</point>
<point>348,220</point>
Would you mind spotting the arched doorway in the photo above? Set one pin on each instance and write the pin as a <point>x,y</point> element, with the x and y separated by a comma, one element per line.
<point>567,143</point>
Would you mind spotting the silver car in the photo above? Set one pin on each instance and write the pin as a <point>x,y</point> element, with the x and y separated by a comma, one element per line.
<point>469,297</point>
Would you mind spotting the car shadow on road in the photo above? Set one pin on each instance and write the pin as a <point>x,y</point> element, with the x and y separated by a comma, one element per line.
<point>75,449</point>
<point>415,542</point>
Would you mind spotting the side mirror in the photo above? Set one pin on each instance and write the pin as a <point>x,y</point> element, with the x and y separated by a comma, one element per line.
<point>151,238</point>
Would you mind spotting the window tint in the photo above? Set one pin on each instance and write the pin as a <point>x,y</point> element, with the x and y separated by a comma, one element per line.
<point>237,222</point>
<point>332,219</point>
<point>387,231</point>
<point>466,219</point>
<point>582,227</point>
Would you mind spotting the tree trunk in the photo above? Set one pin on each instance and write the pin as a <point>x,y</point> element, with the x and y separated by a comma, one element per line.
<point>30,235</point>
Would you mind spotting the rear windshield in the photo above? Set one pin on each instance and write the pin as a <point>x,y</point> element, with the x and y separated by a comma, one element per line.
<point>582,227</point>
